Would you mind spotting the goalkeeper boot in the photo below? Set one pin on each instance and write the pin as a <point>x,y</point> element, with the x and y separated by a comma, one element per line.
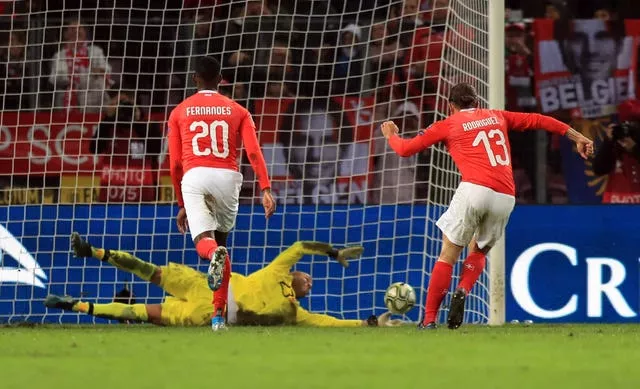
<point>217,323</point>
<point>456,309</point>
<point>216,268</point>
<point>80,247</point>
<point>60,302</point>
<point>428,326</point>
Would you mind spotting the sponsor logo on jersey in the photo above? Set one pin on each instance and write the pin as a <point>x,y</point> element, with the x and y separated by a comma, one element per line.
<point>29,272</point>
<point>422,132</point>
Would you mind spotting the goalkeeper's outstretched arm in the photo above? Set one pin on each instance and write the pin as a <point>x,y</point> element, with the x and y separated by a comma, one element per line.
<point>306,318</point>
<point>296,251</point>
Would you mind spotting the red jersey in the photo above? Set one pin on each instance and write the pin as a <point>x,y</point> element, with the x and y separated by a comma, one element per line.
<point>478,143</point>
<point>205,131</point>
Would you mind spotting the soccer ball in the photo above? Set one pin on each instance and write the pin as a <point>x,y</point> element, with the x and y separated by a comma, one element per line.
<point>399,298</point>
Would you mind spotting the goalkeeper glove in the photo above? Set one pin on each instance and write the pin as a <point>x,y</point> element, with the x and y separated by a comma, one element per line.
<point>346,253</point>
<point>385,320</point>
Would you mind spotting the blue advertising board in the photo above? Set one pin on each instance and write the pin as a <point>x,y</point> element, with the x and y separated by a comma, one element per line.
<point>563,263</point>
<point>393,237</point>
<point>573,264</point>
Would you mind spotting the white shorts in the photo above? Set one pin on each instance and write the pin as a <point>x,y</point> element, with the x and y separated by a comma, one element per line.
<point>476,211</point>
<point>211,198</point>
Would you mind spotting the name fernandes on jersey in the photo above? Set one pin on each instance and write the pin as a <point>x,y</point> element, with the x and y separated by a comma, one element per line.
<point>199,110</point>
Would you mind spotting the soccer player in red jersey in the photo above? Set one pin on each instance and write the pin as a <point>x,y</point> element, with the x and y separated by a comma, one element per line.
<point>204,134</point>
<point>480,209</point>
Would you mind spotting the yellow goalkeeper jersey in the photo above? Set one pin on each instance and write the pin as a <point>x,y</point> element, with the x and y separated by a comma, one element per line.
<point>267,298</point>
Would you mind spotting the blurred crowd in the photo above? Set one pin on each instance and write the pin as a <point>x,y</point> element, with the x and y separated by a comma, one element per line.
<point>319,77</point>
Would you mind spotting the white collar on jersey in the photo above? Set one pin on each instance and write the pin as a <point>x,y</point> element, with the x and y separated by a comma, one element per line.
<point>467,110</point>
<point>207,91</point>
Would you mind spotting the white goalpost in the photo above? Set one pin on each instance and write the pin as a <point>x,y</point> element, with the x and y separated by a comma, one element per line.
<point>82,142</point>
<point>497,272</point>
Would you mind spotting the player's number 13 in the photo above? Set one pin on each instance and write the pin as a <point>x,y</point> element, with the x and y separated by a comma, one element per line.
<point>215,129</point>
<point>485,138</point>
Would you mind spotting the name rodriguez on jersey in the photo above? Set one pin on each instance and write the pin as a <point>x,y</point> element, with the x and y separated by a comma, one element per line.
<point>200,110</point>
<point>468,126</point>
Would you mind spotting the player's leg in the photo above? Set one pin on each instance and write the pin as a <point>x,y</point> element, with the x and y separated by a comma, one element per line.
<point>225,206</point>
<point>497,209</point>
<point>473,266</point>
<point>183,282</point>
<point>490,229</point>
<point>440,280</point>
<point>177,280</point>
<point>201,214</point>
<point>120,259</point>
<point>114,311</point>
<point>219,299</point>
<point>458,225</point>
<point>221,238</point>
<point>207,247</point>
<point>220,295</point>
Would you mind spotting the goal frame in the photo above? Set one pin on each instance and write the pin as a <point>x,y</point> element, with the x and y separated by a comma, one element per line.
<point>496,101</point>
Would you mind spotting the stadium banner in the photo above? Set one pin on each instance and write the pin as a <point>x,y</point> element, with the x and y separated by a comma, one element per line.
<point>564,263</point>
<point>583,70</point>
<point>45,157</point>
<point>573,264</point>
<point>317,151</point>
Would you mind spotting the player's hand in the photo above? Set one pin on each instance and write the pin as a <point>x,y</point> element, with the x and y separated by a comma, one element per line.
<point>351,252</point>
<point>585,147</point>
<point>181,220</point>
<point>268,203</point>
<point>385,320</point>
<point>389,129</point>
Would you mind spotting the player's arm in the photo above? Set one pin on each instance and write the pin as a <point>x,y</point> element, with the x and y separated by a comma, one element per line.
<point>408,147</point>
<point>306,318</point>
<point>175,157</point>
<point>528,121</point>
<point>296,251</point>
<point>254,153</point>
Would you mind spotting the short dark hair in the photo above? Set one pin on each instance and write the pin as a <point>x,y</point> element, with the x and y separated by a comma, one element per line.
<point>463,96</point>
<point>208,68</point>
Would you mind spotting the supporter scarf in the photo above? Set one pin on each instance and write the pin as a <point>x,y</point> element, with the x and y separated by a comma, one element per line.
<point>77,65</point>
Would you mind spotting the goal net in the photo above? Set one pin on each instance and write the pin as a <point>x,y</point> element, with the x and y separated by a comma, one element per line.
<point>86,94</point>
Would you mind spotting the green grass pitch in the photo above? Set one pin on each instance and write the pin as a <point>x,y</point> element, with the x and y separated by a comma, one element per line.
<point>140,356</point>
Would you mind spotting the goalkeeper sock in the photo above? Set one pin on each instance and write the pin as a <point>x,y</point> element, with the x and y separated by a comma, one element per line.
<point>114,311</point>
<point>220,296</point>
<point>129,263</point>
<point>471,270</point>
<point>205,248</point>
<point>438,288</point>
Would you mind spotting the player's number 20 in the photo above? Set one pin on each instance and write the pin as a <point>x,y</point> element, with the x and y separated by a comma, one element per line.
<point>486,138</point>
<point>216,129</point>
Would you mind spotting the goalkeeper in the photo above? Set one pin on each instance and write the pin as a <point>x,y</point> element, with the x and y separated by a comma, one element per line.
<point>266,297</point>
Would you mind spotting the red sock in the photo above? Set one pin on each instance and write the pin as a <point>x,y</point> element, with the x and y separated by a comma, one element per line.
<point>220,295</point>
<point>471,270</point>
<point>437,289</point>
<point>205,248</point>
